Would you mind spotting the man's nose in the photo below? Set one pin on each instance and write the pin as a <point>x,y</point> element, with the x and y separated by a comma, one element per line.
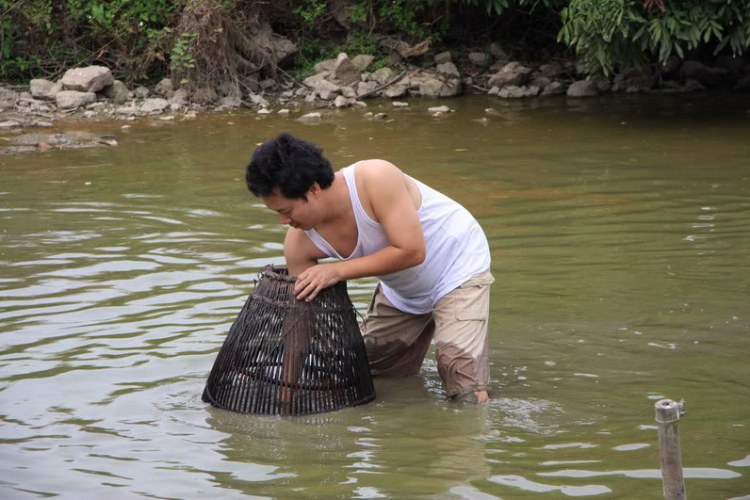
<point>284,219</point>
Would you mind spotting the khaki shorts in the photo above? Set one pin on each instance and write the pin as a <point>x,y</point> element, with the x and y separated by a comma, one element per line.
<point>397,342</point>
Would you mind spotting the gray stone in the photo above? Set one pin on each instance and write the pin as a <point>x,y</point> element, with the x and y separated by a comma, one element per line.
<point>366,87</point>
<point>694,86</point>
<point>130,109</point>
<point>735,65</point>
<point>743,84</point>
<point>448,69</point>
<point>348,92</point>
<point>164,88</point>
<point>118,92</point>
<point>555,88</point>
<point>380,116</point>
<point>267,83</point>
<point>230,102</point>
<point>345,72</point>
<point>602,83</point>
<point>642,83</point>
<point>512,74</point>
<point>479,59</point>
<point>363,61</point>
<point>583,88</point>
<point>396,91</point>
<point>8,98</point>
<point>205,95</point>
<point>341,102</point>
<point>515,92</point>
<point>430,87</point>
<point>498,53</point>
<point>540,81</point>
<point>551,70</point>
<point>69,99</point>
<point>443,57</point>
<point>8,124</point>
<point>89,79</point>
<point>141,92</point>
<point>325,66</point>
<point>180,99</point>
<point>310,117</point>
<point>439,109</point>
<point>45,89</point>
<point>399,104</point>
<point>705,75</point>
<point>383,75</point>
<point>155,105</point>
<point>451,88</point>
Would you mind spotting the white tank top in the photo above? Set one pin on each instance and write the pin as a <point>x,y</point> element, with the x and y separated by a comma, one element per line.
<point>456,249</point>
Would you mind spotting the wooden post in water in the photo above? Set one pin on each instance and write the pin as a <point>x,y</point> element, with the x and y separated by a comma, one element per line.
<point>668,414</point>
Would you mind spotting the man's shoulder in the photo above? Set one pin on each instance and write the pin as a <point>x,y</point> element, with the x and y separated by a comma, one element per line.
<point>374,172</point>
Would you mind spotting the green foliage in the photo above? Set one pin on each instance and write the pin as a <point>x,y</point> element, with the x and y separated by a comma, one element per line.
<point>311,11</point>
<point>182,59</point>
<point>622,32</point>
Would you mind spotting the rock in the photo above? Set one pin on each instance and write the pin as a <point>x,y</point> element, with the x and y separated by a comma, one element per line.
<point>341,102</point>
<point>230,102</point>
<point>734,65</point>
<point>405,50</point>
<point>164,88</point>
<point>180,99</point>
<point>705,75</point>
<point>551,70</point>
<point>443,57</point>
<point>602,83</point>
<point>118,92</point>
<point>325,66</point>
<point>380,116</point>
<point>348,92</point>
<point>130,109</point>
<point>155,105</point>
<point>743,84</point>
<point>693,86</point>
<point>69,99</point>
<point>583,88</point>
<point>360,104</point>
<point>8,98</point>
<point>430,87</point>
<point>45,89</point>
<point>498,53</point>
<point>264,111</point>
<point>9,124</point>
<point>367,115</point>
<point>395,91</point>
<point>205,95</point>
<point>89,79</point>
<point>540,81</point>
<point>345,72</point>
<point>90,114</point>
<point>512,74</point>
<point>515,92</point>
<point>310,117</point>
<point>439,109</point>
<point>555,88</point>
<point>448,69</point>
<point>366,87</point>
<point>259,100</point>
<point>383,75</point>
<point>283,112</point>
<point>399,104</point>
<point>451,88</point>
<point>494,91</point>
<point>141,92</point>
<point>479,59</point>
<point>363,61</point>
<point>640,83</point>
<point>267,84</point>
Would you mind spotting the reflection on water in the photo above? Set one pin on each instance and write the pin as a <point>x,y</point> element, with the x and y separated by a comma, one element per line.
<point>620,241</point>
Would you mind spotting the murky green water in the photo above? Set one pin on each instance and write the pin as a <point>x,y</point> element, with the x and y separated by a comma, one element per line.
<point>620,237</point>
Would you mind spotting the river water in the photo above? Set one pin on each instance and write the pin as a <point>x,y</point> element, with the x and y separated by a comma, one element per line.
<point>620,237</point>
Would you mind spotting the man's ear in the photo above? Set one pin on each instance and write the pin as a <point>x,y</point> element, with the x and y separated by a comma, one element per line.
<point>314,190</point>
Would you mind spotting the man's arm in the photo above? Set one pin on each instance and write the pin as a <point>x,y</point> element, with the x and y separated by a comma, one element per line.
<point>384,187</point>
<point>300,252</point>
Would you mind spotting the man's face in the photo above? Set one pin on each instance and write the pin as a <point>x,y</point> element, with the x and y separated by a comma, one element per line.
<point>294,212</point>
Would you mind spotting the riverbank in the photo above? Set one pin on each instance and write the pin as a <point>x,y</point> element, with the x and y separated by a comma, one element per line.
<point>92,93</point>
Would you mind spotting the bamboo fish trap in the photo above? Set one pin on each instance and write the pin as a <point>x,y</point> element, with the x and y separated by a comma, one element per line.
<point>283,356</point>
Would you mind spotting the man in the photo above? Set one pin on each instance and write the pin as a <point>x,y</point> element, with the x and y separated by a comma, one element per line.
<point>430,254</point>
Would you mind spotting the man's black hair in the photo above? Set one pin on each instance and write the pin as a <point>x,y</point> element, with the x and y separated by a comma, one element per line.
<point>289,166</point>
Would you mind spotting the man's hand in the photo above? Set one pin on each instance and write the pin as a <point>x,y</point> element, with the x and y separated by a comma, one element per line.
<point>314,279</point>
